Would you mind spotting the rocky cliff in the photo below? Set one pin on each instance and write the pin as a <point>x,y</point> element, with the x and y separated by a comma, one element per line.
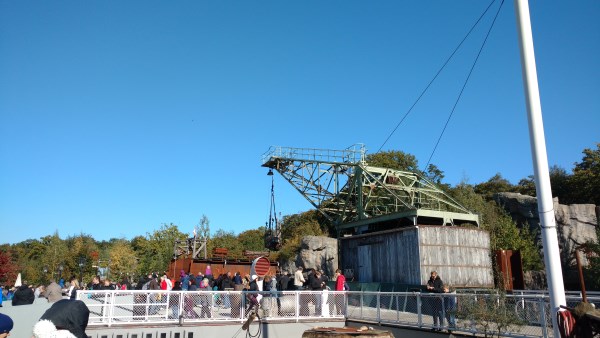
<point>576,224</point>
<point>316,252</point>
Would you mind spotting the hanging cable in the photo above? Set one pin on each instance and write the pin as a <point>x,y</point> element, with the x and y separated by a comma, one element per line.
<point>272,234</point>
<point>437,74</point>
<point>464,85</point>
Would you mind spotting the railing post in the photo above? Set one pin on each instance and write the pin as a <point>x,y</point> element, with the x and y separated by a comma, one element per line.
<point>346,304</point>
<point>542,304</point>
<point>362,301</point>
<point>397,308</point>
<point>419,314</point>
<point>297,302</point>
<point>111,307</point>
<point>379,307</point>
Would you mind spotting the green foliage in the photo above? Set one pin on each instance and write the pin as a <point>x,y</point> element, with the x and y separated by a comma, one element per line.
<point>581,187</point>
<point>592,271</point>
<point>300,225</point>
<point>228,240</point>
<point>586,178</point>
<point>156,253</point>
<point>493,314</point>
<point>203,227</point>
<point>493,186</point>
<point>252,239</point>
<point>394,159</point>
<point>504,233</point>
<point>399,160</point>
<point>123,260</point>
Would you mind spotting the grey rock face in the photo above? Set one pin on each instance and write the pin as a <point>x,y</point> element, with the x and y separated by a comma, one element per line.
<point>318,252</point>
<point>576,224</point>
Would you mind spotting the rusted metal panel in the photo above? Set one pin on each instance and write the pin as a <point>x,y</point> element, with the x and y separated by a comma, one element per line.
<point>461,256</point>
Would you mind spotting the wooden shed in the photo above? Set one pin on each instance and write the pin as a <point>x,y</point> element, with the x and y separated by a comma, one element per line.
<point>460,255</point>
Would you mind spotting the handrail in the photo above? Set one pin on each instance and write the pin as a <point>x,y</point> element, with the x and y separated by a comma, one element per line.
<point>408,309</point>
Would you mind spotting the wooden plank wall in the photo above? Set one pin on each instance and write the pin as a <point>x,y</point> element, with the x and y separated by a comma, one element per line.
<point>388,257</point>
<point>461,256</point>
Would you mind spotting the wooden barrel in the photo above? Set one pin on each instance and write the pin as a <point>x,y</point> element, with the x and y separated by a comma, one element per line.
<point>345,332</point>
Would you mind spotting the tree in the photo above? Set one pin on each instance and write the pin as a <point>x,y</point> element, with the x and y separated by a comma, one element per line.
<point>204,227</point>
<point>493,186</point>
<point>504,232</point>
<point>81,246</point>
<point>294,227</point>
<point>123,260</point>
<point>228,240</point>
<point>252,239</point>
<point>156,253</point>
<point>592,252</point>
<point>55,255</point>
<point>586,177</point>
<point>8,268</point>
<point>394,159</point>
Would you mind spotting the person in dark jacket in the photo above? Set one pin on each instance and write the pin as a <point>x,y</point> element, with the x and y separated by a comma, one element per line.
<point>66,314</point>
<point>23,296</point>
<point>316,284</point>
<point>284,281</point>
<point>436,285</point>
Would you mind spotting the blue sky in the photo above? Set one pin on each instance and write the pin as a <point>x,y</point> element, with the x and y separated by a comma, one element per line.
<point>118,116</point>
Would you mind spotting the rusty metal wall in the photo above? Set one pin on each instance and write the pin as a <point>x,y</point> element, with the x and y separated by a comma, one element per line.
<point>461,256</point>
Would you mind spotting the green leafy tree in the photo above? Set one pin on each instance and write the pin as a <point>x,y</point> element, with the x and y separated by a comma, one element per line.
<point>204,227</point>
<point>156,253</point>
<point>394,159</point>
<point>55,255</point>
<point>252,239</point>
<point>592,270</point>
<point>493,186</point>
<point>81,246</point>
<point>123,260</point>
<point>504,233</point>
<point>294,227</point>
<point>399,160</point>
<point>586,177</point>
<point>225,239</point>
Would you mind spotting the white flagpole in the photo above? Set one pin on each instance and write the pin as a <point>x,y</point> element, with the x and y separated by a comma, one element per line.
<point>540,163</point>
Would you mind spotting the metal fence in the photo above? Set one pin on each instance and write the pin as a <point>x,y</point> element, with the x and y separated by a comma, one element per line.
<point>521,315</point>
<point>109,307</point>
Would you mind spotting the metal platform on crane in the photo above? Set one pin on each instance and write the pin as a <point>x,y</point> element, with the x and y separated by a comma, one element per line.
<point>359,198</point>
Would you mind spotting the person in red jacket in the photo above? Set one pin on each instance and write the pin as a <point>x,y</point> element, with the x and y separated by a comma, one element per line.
<point>340,301</point>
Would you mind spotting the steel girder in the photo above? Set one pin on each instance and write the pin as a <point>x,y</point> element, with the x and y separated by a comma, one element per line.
<point>344,188</point>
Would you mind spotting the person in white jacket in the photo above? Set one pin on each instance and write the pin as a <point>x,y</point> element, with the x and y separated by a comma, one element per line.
<point>299,279</point>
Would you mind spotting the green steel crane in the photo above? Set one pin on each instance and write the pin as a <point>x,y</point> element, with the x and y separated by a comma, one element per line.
<point>359,198</point>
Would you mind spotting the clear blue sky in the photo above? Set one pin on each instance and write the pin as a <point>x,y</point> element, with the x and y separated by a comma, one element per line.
<point>118,116</point>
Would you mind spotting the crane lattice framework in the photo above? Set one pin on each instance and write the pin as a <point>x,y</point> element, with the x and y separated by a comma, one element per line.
<point>358,197</point>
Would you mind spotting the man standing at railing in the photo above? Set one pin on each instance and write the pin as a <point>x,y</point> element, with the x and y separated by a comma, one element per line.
<point>299,279</point>
<point>450,307</point>
<point>316,285</point>
<point>436,285</point>
<point>340,281</point>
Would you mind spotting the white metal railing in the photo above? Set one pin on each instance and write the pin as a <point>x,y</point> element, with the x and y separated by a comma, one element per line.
<point>108,307</point>
<point>353,154</point>
<point>410,309</point>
